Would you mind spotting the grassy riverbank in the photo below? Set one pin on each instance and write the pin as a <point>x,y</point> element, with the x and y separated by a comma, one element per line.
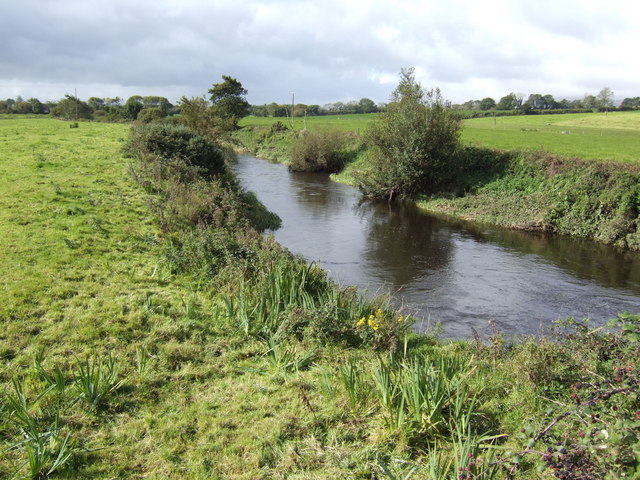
<point>150,332</point>
<point>595,197</point>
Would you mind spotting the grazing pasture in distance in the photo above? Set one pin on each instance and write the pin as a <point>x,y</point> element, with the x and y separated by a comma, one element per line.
<point>601,136</point>
<point>604,136</point>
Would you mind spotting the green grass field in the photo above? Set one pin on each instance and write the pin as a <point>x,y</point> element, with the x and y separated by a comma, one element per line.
<point>137,372</point>
<point>350,123</point>
<point>600,136</point>
<point>603,136</point>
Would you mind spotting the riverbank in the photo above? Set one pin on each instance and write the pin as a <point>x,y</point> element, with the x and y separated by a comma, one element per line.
<point>525,190</point>
<point>149,331</point>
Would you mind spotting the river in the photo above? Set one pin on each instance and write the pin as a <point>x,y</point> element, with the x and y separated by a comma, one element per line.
<point>458,274</point>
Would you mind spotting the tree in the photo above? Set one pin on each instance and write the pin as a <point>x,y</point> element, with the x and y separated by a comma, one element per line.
<point>196,113</point>
<point>487,103</point>
<point>413,142</point>
<point>132,107</point>
<point>96,103</point>
<point>228,102</point>
<point>508,102</point>
<point>589,101</point>
<point>36,106</point>
<point>71,108</point>
<point>366,105</point>
<point>605,98</point>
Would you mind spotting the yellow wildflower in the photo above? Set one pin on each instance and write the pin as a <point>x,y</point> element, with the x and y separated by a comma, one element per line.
<point>360,322</point>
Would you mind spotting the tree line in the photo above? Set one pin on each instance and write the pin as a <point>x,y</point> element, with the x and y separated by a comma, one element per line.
<point>603,101</point>
<point>364,105</point>
<point>107,109</point>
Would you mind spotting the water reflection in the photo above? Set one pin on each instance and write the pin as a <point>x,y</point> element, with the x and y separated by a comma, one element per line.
<point>450,271</point>
<point>403,245</point>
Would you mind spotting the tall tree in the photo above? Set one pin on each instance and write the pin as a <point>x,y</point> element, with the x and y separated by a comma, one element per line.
<point>487,103</point>
<point>508,102</point>
<point>228,102</point>
<point>605,98</point>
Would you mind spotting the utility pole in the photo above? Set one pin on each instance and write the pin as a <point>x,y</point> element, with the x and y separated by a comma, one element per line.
<point>75,94</point>
<point>293,107</point>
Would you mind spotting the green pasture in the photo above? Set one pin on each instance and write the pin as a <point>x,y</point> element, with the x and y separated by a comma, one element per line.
<point>603,136</point>
<point>350,123</point>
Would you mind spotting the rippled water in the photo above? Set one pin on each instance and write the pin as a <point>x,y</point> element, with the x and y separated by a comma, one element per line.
<point>456,273</point>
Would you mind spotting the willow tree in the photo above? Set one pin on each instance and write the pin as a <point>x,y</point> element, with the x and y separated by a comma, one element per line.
<point>412,144</point>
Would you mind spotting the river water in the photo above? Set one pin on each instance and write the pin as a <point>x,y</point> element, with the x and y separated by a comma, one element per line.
<point>456,273</point>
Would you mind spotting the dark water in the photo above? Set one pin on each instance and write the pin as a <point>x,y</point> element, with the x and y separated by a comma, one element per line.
<point>456,273</point>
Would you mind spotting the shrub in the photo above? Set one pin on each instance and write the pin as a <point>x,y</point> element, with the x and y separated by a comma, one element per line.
<point>150,115</point>
<point>318,151</point>
<point>413,143</point>
<point>174,142</point>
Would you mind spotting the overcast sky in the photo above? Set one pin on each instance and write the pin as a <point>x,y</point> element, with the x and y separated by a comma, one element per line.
<point>323,50</point>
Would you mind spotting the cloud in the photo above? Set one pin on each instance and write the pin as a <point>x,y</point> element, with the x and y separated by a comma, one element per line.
<point>324,51</point>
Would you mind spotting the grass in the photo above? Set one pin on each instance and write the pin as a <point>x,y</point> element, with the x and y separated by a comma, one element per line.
<point>598,136</point>
<point>356,123</point>
<point>116,365</point>
<point>601,136</point>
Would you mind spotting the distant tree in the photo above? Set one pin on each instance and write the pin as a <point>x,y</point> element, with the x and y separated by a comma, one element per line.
<point>275,110</point>
<point>605,98</point>
<point>589,101</point>
<point>535,101</point>
<point>36,106</point>
<point>487,103</point>
<point>132,107</point>
<point>631,102</point>
<point>157,102</point>
<point>228,102</point>
<point>313,110</point>
<point>71,108</point>
<point>413,142</point>
<point>549,102</point>
<point>366,105</point>
<point>96,103</point>
<point>22,107</point>
<point>113,102</point>
<point>508,102</point>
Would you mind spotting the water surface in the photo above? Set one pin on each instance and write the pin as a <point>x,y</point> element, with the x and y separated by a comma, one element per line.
<point>453,272</point>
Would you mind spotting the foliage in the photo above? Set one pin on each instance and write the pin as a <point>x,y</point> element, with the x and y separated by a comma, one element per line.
<point>196,113</point>
<point>171,143</point>
<point>318,151</point>
<point>228,102</point>
<point>71,108</point>
<point>412,143</point>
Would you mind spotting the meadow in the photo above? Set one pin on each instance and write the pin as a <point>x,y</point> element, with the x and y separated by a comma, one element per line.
<point>137,344</point>
<point>602,136</point>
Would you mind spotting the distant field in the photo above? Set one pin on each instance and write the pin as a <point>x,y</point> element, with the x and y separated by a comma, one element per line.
<point>605,136</point>
<point>353,123</point>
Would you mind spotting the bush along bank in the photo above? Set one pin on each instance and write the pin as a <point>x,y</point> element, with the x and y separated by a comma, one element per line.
<point>538,191</point>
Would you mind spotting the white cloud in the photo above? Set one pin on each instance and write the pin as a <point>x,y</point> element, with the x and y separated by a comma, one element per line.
<point>325,51</point>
